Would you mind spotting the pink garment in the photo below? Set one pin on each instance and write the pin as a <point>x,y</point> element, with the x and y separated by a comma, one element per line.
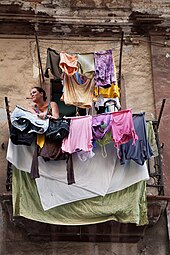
<point>80,135</point>
<point>122,127</point>
<point>68,63</point>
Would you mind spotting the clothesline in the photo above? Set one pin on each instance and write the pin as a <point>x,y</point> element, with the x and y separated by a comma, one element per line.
<point>121,125</point>
<point>41,47</point>
<point>76,42</point>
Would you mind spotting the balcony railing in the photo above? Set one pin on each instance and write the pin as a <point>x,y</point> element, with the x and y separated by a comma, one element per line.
<point>155,184</point>
<point>103,232</point>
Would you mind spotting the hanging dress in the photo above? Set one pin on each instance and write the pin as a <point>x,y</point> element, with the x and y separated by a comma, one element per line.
<point>104,68</point>
<point>80,95</point>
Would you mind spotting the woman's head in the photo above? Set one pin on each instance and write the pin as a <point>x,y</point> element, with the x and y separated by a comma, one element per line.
<point>38,93</point>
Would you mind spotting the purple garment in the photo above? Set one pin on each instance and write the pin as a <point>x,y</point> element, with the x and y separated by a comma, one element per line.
<point>101,124</point>
<point>104,68</point>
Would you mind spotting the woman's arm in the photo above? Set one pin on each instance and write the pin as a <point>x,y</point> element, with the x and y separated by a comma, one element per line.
<point>55,110</point>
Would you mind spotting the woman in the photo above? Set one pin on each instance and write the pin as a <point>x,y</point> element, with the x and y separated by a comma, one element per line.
<point>43,109</point>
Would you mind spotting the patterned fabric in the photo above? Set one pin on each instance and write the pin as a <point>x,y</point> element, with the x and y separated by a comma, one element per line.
<point>80,95</point>
<point>58,129</point>
<point>101,124</point>
<point>49,110</point>
<point>104,68</point>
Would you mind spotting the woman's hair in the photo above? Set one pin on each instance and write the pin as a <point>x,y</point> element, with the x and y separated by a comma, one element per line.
<point>41,91</point>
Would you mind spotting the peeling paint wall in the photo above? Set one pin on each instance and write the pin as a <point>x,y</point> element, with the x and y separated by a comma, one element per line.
<point>60,17</point>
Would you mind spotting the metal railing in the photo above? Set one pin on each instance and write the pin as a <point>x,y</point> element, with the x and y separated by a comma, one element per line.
<point>155,166</point>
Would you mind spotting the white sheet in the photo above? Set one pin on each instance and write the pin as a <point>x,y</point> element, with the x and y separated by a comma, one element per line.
<point>93,175</point>
<point>54,193</point>
<point>97,176</point>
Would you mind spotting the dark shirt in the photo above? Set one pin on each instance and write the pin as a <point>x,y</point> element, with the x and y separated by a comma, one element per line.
<point>141,150</point>
<point>52,63</point>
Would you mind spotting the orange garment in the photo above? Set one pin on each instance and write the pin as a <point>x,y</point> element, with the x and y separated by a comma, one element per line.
<point>68,63</point>
<point>80,95</point>
<point>111,92</point>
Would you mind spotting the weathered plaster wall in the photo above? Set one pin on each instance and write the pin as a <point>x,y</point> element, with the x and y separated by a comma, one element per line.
<point>161,78</point>
<point>138,78</point>
<point>82,18</point>
<point>16,65</point>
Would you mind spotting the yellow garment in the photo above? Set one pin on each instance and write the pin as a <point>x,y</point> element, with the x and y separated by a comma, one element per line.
<point>111,92</point>
<point>40,140</point>
<point>114,66</point>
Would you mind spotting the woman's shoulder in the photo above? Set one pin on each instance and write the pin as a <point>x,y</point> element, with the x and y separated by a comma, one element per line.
<point>54,109</point>
<point>53,104</point>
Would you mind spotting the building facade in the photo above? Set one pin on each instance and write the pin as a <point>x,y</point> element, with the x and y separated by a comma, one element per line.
<point>139,34</point>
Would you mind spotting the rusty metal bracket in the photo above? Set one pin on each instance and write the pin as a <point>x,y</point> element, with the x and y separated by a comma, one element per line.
<point>41,74</point>
<point>120,60</point>
<point>160,113</point>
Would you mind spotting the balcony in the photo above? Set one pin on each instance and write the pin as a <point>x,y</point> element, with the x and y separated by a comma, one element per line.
<point>110,231</point>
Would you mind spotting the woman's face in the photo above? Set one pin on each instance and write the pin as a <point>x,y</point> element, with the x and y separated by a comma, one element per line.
<point>36,95</point>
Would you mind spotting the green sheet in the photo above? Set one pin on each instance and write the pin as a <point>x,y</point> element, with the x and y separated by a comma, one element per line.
<point>126,206</point>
